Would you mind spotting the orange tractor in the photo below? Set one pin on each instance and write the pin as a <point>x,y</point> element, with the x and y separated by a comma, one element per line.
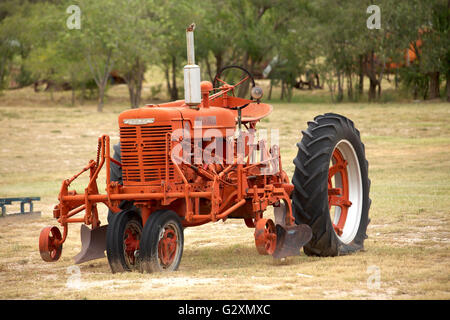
<point>189,162</point>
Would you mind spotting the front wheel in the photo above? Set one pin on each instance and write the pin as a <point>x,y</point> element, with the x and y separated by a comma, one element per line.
<point>331,182</point>
<point>122,240</point>
<point>162,242</point>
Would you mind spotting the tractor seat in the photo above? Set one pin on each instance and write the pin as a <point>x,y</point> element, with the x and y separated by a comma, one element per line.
<point>255,112</point>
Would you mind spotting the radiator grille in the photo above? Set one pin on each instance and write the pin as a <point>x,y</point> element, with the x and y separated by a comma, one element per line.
<point>144,155</point>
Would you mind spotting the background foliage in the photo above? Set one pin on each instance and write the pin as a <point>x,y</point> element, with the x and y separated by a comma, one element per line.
<point>311,44</point>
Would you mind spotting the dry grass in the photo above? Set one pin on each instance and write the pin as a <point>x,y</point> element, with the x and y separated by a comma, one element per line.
<point>408,148</point>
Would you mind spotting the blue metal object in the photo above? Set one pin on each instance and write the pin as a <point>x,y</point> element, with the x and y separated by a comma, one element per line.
<point>23,201</point>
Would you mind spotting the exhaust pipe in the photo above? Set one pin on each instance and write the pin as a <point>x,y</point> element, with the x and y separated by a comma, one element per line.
<point>192,93</point>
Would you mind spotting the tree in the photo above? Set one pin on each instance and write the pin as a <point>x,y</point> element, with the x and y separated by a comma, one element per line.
<point>216,36</point>
<point>436,47</point>
<point>172,18</point>
<point>421,26</point>
<point>55,56</point>
<point>99,40</point>
<point>17,34</point>
<point>257,25</point>
<point>136,47</point>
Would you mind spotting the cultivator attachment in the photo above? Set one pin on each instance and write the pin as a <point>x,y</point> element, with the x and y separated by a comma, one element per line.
<point>283,238</point>
<point>93,244</point>
<point>291,239</point>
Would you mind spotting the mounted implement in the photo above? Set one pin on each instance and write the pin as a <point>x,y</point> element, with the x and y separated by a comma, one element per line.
<point>189,162</point>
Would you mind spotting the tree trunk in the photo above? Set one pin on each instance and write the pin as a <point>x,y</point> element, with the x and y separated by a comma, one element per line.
<point>448,82</point>
<point>72,86</point>
<point>51,93</point>
<point>415,91</point>
<point>349,87</point>
<point>73,96</point>
<point>101,75</point>
<point>309,79</point>
<point>361,75</point>
<point>131,94</point>
<point>379,90</point>
<point>316,77</point>
<point>374,78</point>
<point>372,90</point>
<point>396,79</point>
<point>447,76</point>
<point>101,94</point>
<point>83,92</point>
<point>174,93</point>
<point>243,88</point>
<point>138,95</point>
<point>379,87</point>
<point>2,72</point>
<point>219,61</point>
<point>134,78</point>
<point>289,92</point>
<point>167,74</point>
<point>102,90</point>
<point>208,69</point>
<point>433,90</point>
<point>340,94</point>
<point>269,96</point>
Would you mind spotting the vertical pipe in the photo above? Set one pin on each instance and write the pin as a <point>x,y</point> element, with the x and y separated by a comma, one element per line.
<point>190,44</point>
<point>192,92</point>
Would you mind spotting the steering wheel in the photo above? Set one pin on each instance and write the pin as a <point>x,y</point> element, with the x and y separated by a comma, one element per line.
<point>248,77</point>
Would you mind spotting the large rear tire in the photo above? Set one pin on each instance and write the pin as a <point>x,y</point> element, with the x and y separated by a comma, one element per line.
<point>331,182</point>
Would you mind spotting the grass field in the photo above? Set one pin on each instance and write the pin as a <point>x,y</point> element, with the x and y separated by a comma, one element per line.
<point>408,249</point>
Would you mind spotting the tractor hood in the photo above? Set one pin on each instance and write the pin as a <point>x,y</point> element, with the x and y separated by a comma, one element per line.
<point>179,115</point>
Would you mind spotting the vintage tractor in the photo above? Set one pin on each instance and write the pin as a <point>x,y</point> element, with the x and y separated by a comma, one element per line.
<point>189,162</point>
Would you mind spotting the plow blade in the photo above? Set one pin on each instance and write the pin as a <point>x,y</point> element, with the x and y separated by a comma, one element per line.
<point>290,239</point>
<point>93,244</point>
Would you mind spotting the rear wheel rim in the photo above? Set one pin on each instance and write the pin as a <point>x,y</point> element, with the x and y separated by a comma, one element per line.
<point>345,192</point>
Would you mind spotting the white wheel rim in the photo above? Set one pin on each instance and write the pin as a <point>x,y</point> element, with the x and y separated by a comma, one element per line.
<point>355,192</point>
